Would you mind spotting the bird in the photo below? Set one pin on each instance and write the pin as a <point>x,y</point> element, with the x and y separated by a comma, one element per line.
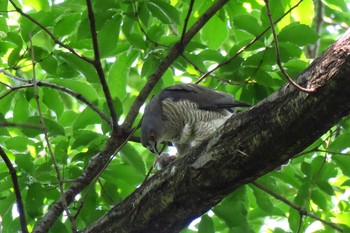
<point>185,115</point>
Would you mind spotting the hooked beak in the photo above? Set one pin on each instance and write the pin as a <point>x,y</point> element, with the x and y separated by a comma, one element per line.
<point>153,147</point>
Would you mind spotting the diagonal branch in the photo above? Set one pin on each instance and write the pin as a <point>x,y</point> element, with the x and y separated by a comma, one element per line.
<point>20,207</point>
<point>278,57</point>
<point>174,53</point>
<point>19,10</point>
<point>249,145</point>
<point>190,8</point>
<point>20,125</point>
<point>98,66</point>
<point>296,207</point>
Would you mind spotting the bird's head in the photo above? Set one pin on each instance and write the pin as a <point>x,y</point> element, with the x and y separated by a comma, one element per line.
<point>152,128</point>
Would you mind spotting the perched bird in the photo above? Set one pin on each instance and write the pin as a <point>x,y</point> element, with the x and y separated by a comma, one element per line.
<point>185,115</point>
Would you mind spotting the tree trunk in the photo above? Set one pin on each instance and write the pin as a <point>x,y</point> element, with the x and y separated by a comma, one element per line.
<point>249,145</point>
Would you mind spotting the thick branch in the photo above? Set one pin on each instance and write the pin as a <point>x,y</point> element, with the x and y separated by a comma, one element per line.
<point>249,145</point>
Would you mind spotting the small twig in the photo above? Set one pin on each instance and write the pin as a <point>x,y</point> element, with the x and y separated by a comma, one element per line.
<point>277,50</point>
<point>211,75</point>
<point>20,207</point>
<point>98,66</point>
<point>13,89</point>
<point>20,125</point>
<point>301,211</point>
<point>42,122</point>
<point>186,21</point>
<point>5,84</point>
<point>244,48</point>
<point>55,40</point>
<point>57,87</point>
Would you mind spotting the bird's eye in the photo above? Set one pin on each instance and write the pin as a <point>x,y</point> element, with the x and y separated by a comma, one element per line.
<point>152,136</point>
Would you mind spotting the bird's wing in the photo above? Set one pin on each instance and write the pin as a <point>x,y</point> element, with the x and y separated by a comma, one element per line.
<point>206,98</point>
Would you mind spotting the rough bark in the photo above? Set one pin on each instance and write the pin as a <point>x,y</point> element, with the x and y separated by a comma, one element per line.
<point>248,146</point>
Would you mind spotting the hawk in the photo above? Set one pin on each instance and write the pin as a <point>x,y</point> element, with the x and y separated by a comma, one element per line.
<point>185,115</point>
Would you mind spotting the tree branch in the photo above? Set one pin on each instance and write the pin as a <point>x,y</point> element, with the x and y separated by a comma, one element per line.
<point>98,66</point>
<point>53,86</point>
<point>249,145</point>
<point>277,50</point>
<point>296,207</point>
<point>20,207</point>
<point>174,53</point>
<point>186,21</point>
<point>20,125</point>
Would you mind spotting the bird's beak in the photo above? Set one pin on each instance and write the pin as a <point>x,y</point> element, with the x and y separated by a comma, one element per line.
<point>153,147</point>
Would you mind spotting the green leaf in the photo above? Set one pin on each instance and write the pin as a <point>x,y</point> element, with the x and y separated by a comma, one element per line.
<point>136,40</point>
<point>68,118</point>
<point>53,127</point>
<point>13,59</point>
<point>214,33</point>
<point>247,23</point>
<point>82,67</point>
<point>165,12</point>
<point>263,200</point>
<point>108,36</point>
<point>233,205</point>
<point>118,74</point>
<point>34,200</point>
<point>292,33</point>
<point>25,162</point>
<point>85,118</point>
<point>149,66</point>
<point>342,218</point>
<point>293,219</point>
<point>61,150</point>
<point>132,157</point>
<point>340,143</point>
<point>80,87</point>
<point>206,225</point>
<point>49,64</point>
<point>43,40</point>
<point>67,25</point>
<point>318,198</point>
<point>343,162</point>
<point>21,108</point>
<point>88,139</point>
<point>38,5</point>
<point>18,143</point>
<point>326,187</point>
<point>51,99</point>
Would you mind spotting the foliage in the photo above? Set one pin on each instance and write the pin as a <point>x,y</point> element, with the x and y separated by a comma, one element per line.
<point>134,37</point>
